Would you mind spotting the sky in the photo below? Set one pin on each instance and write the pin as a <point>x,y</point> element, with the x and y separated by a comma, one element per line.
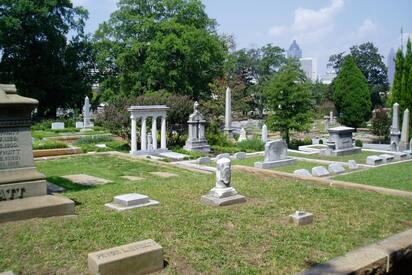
<point>320,27</point>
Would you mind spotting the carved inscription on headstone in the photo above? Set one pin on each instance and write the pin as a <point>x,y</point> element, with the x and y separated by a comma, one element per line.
<point>15,152</point>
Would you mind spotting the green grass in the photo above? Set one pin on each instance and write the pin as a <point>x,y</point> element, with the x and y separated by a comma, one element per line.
<point>250,238</point>
<point>48,144</point>
<point>121,146</point>
<point>395,176</point>
<point>39,134</point>
<point>359,157</point>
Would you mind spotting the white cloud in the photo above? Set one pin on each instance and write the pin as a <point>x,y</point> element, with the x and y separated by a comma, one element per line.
<point>367,28</point>
<point>309,24</point>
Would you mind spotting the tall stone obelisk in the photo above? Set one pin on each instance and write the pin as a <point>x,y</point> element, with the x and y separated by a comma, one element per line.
<point>228,114</point>
<point>404,143</point>
<point>87,114</point>
<point>395,133</point>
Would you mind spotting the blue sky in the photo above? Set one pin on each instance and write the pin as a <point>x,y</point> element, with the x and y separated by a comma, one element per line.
<point>321,27</point>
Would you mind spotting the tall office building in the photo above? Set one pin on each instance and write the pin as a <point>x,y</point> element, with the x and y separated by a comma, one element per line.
<point>294,50</point>
<point>391,66</point>
<point>310,67</point>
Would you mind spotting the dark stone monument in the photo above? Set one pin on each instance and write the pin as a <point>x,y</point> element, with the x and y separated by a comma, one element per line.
<point>23,190</point>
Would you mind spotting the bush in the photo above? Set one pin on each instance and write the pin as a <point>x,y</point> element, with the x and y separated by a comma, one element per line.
<point>295,143</point>
<point>321,141</point>
<point>224,149</point>
<point>94,139</point>
<point>358,143</point>
<point>215,137</point>
<point>254,144</point>
<point>48,144</point>
<point>120,146</point>
<point>381,123</point>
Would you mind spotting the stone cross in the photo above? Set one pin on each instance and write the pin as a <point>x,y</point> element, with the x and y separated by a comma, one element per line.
<point>403,145</point>
<point>228,113</point>
<point>395,133</point>
<point>242,135</point>
<point>86,113</point>
<point>264,133</point>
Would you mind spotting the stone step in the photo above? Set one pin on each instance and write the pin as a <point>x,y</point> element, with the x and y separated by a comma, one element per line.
<point>35,207</point>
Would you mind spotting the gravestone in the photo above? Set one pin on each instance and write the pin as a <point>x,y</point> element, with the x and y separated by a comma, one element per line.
<point>264,133</point>
<point>404,144</point>
<point>301,218</point>
<point>23,190</point>
<point>135,258</point>
<point>394,132</point>
<point>163,174</point>
<point>336,168</point>
<point>276,154</point>
<point>239,156</point>
<point>340,142</point>
<point>79,124</point>
<point>302,172</point>
<point>374,160</point>
<point>130,201</point>
<point>242,135</point>
<point>387,158</point>
<point>196,140</point>
<point>221,156</point>
<point>352,164</point>
<point>87,115</point>
<point>202,160</point>
<point>57,125</point>
<point>400,155</point>
<point>223,193</point>
<point>86,180</point>
<point>320,171</point>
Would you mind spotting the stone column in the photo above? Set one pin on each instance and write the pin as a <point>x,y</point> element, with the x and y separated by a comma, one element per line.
<point>154,132</point>
<point>143,135</point>
<point>228,113</point>
<point>264,133</point>
<point>405,132</point>
<point>201,131</point>
<point>190,131</point>
<point>163,133</point>
<point>133,136</point>
<point>395,133</point>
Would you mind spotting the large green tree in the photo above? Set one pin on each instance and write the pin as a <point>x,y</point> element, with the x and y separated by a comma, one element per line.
<point>352,98</point>
<point>370,62</point>
<point>288,100</point>
<point>38,56</point>
<point>397,80</point>
<point>155,45</point>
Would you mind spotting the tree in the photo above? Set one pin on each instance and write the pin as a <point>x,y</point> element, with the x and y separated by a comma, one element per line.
<point>397,80</point>
<point>406,92</point>
<point>39,58</point>
<point>370,62</point>
<point>288,100</point>
<point>154,45</point>
<point>352,98</point>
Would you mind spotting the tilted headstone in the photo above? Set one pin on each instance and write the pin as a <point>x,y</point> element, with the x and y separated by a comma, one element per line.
<point>302,172</point>
<point>242,135</point>
<point>203,160</point>
<point>276,154</point>
<point>374,160</point>
<point>352,165</point>
<point>196,140</point>
<point>223,193</point>
<point>320,171</point>
<point>336,168</point>
<point>23,192</point>
<point>239,155</point>
<point>264,133</point>
<point>404,144</point>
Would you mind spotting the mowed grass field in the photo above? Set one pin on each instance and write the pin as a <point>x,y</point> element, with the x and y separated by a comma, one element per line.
<point>250,238</point>
<point>394,176</point>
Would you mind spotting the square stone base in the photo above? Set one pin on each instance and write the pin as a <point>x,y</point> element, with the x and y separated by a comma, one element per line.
<point>215,201</point>
<point>35,207</point>
<point>341,152</point>
<point>197,147</point>
<point>276,163</point>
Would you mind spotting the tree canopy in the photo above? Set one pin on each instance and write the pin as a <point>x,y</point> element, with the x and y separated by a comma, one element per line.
<point>155,45</point>
<point>288,100</point>
<point>37,55</point>
<point>352,98</point>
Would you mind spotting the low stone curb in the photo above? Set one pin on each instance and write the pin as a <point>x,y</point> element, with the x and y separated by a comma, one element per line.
<point>390,256</point>
<point>56,152</point>
<point>325,181</point>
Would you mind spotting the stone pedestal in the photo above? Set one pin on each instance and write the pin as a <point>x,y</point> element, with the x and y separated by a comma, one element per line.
<point>340,142</point>
<point>23,190</point>
<point>223,194</point>
<point>196,140</point>
<point>276,154</point>
<point>395,133</point>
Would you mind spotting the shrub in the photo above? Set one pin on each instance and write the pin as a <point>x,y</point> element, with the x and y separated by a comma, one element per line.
<point>94,139</point>
<point>254,144</point>
<point>48,144</point>
<point>224,149</point>
<point>381,123</point>
<point>295,143</point>
<point>215,137</point>
<point>358,143</point>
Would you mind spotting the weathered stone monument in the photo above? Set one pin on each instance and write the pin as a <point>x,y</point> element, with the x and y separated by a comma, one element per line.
<point>395,133</point>
<point>228,114</point>
<point>196,140</point>
<point>404,142</point>
<point>145,112</point>
<point>340,142</point>
<point>276,154</point>
<point>57,126</point>
<point>23,190</point>
<point>301,218</point>
<point>223,194</point>
<point>242,135</point>
<point>264,133</point>
<point>87,115</point>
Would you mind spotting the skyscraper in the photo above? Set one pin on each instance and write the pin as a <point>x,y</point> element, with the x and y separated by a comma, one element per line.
<point>391,66</point>
<point>295,51</point>
<point>309,66</point>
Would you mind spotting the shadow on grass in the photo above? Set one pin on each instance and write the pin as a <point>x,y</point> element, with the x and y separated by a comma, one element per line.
<point>68,185</point>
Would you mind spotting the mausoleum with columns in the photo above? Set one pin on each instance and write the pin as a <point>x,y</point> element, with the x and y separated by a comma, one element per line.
<point>148,113</point>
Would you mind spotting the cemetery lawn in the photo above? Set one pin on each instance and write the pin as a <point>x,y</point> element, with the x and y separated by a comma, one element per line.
<point>394,176</point>
<point>359,157</point>
<point>250,238</point>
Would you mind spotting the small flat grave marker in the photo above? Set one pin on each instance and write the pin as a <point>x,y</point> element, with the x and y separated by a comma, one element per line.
<point>163,174</point>
<point>130,201</point>
<point>336,168</point>
<point>301,218</point>
<point>132,178</point>
<point>374,160</point>
<point>320,171</point>
<point>387,158</point>
<point>87,180</point>
<point>302,172</point>
<point>135,258</point>
<point>352,164</point>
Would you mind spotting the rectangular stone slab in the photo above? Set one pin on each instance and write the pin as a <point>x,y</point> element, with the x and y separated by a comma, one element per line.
<point>136,258</point>
<point>130,199</point>
<point>214,201</point>
<point>35,207</point>
<point>275,163</point>
<point>22,190</point>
